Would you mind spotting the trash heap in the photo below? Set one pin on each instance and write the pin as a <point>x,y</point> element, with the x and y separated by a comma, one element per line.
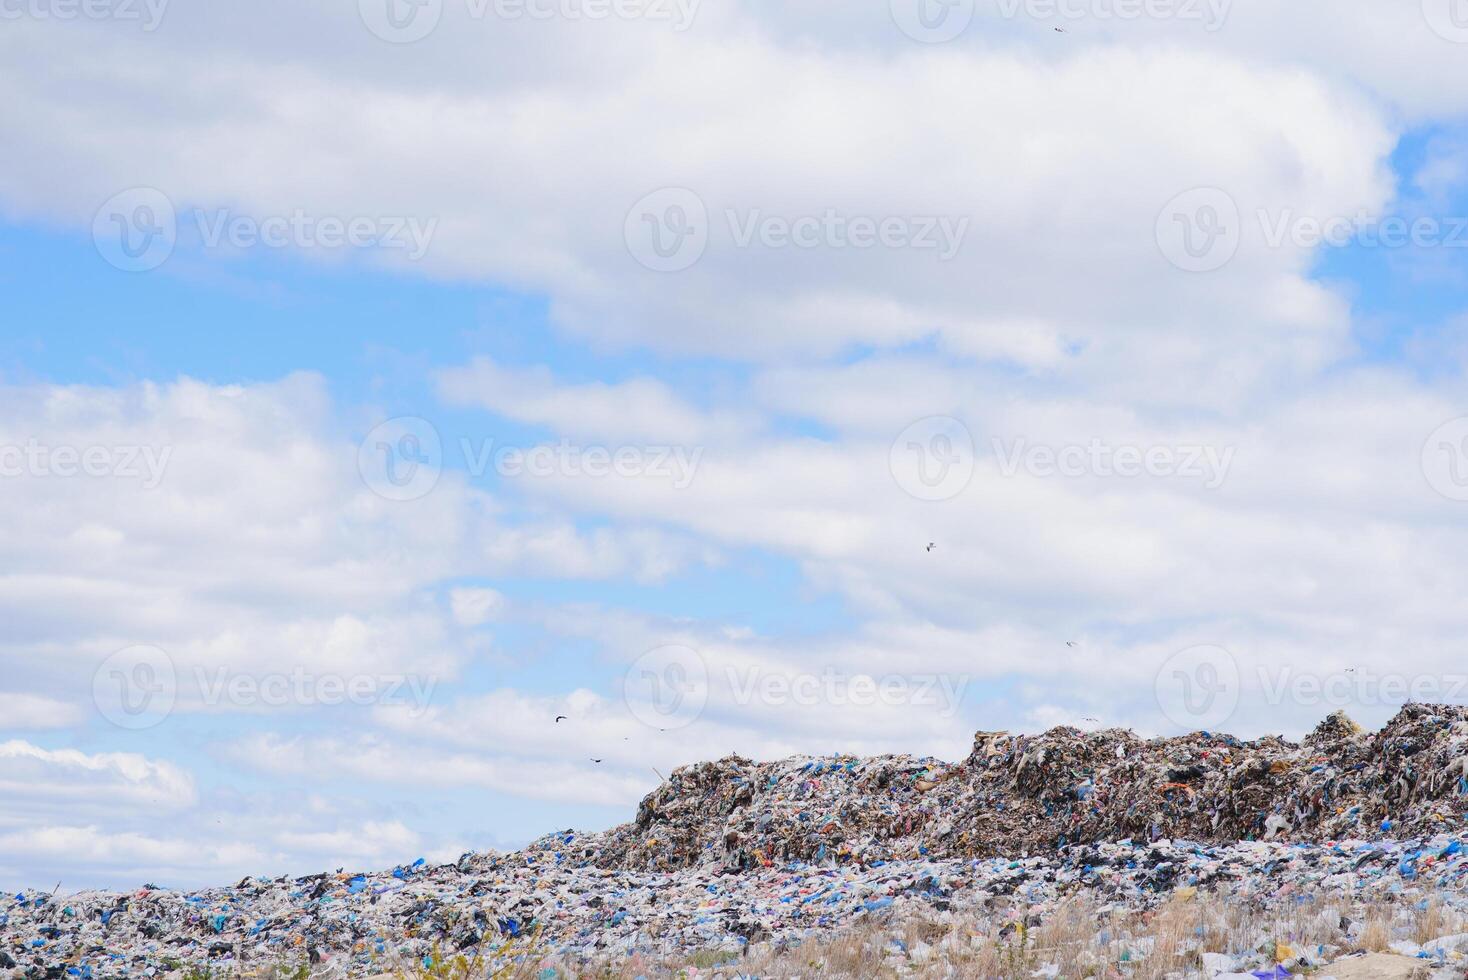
<point>538,908</point>
<point>1019,794</point>
<point>730,854</point>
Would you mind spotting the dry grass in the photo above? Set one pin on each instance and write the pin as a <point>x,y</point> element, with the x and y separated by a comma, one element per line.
<point>1079,939</point>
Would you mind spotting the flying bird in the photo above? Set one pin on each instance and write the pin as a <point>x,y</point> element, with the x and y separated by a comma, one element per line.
<point>930,546</point>
<point>1061,30</point>
<point>1070,643</point>
<point>597,761</point>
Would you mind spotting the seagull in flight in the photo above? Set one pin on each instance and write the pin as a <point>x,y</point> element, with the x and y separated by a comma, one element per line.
<point>560,718</point>
<point>1070,643</point>
<point>931,546</point>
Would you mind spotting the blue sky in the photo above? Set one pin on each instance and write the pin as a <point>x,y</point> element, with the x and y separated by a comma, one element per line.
<point>1298,406</point>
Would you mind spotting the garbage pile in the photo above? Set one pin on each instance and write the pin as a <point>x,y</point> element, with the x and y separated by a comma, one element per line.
<point>733,854</point>
<point>539,905</point>
<point>1018,794</point>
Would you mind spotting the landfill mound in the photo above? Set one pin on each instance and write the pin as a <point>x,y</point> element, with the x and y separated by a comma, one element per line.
<point>1038,794</point>
<point>535,913</point>
<point>732,855</point>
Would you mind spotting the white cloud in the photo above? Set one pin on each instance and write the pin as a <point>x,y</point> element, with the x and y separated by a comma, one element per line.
<point>31,774</point>
<point>120,819</point>
<point>367,843</point>
<point>248,540</point>
<point>475,607</point>
<point>95,852</point>
<point>383,760</point>
<point>259,551</point>
<point>29,711</point>
<point>638,410</point>
<point>1060,253</point>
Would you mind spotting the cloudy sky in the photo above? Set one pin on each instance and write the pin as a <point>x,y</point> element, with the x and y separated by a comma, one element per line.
<point>381,381</point>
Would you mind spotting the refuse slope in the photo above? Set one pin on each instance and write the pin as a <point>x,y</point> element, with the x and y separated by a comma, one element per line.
<point>532,910</point>
<point>777,852</point>
<point>1018,794</point>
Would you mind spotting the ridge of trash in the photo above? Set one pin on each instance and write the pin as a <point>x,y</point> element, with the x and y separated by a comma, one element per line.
<point>1025,794</point>
<point>733,853</point>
